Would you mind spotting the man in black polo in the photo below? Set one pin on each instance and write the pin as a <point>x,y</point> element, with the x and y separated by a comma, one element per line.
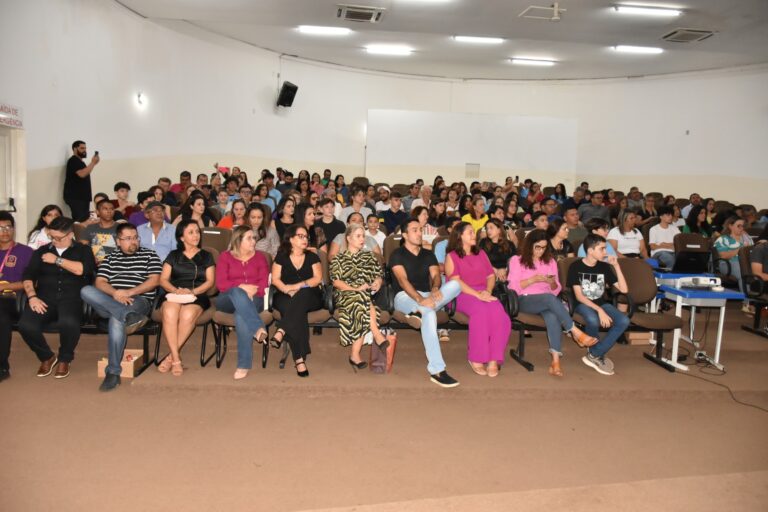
<point>77,183</point>
<point>52,281</point>
<point>123,292</point>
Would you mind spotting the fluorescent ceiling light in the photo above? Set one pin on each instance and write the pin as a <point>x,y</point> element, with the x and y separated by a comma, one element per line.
<point>524,61</point>
<point>647,11</point>
<point>648,50</point>
<point>478,40</point>
<point>388,49</point>
<point>324,31</point>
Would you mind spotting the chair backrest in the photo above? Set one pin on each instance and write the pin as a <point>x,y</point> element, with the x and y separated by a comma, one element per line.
<point>215,214</point>
<point>361,180</point>
<point>402,188</point>
<point>324,265</point>
<point>548,191</point>
<point>681,202</point>
<point>562,269</point>
<point>754,231</point>
<point>691,242</point>
<point>692,253</point>
<point>268,257</point>
<point>213,290</point>
<point>175,211</point>
<point>744,265</point>
<point>218,238</point>
<point>79,230</point>
<point>391,243</point>
<point>640,279</point>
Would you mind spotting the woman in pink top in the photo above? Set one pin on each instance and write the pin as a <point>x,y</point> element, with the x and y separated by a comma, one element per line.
<point>489,324</point>
<point>533,276</point>
<point>241,276</point>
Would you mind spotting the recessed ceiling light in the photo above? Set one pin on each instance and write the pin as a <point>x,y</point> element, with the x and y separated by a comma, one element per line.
<point>647,50</point>
<point>642,10</point>
<point>478,39</point>
<point>324,31</point>
<point>388,49</point>
<point>525,61</point>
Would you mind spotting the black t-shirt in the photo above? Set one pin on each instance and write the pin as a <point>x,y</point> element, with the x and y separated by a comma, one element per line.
<point>75,187</point>
<point>496,255</point>
<point>188,273</point>
<point>594,281</point>
<point>331,229</point>
<point>416,268</point>
<point>292,275</point>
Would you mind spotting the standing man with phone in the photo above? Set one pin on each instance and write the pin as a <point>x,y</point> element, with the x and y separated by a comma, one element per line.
<point>77,183</point>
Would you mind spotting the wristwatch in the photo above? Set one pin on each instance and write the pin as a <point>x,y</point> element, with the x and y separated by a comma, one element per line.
<point>59,261</point>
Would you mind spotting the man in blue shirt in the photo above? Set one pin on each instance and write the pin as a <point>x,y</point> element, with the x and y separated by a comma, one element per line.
<point>157,234</point>
<point>269,181</point>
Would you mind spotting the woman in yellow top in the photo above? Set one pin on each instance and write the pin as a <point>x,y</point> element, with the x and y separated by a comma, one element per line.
<point>476,216</point>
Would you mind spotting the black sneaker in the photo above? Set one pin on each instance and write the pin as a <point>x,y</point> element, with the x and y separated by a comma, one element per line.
<point>414,319</point>
<point>444,380</point>
<point>111,381</point>
<point>4,374</point>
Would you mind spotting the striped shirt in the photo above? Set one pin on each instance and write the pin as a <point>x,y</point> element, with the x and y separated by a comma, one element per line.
<point>123,271</point>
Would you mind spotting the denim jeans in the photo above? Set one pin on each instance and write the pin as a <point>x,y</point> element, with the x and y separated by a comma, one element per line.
<point>107,307</point>
<point>553,312</point>
<point>405,304</point>
<point>620,324</point>
<point>666,258</point>
<point>247,321</point>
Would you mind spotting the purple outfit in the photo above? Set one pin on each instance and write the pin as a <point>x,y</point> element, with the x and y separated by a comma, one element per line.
<point>16,263</point>
<point>137,218</point>
<point>489,324</point>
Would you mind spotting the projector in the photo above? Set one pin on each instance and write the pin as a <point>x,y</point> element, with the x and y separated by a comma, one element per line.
<point>698,282</point>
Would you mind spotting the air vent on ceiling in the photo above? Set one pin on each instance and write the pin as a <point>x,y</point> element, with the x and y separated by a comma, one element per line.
<point>537,12</point>
<point>688,35</point>
<point>360,13</point>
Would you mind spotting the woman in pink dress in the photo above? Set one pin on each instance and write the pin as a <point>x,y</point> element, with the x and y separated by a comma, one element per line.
<point>489,324</point>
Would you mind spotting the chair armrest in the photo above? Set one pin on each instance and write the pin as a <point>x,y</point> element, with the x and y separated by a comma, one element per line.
<point>514,303</point>
<point>754,285</point>
<point>327,291</point>
<point>569,299</point>
<point>631,306</point>
<point>271,297</point>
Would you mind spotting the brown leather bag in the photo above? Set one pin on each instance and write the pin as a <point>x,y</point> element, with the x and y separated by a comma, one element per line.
<point>381,360</point>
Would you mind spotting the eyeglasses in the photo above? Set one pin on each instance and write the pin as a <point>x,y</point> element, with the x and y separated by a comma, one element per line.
<point>4,229</point>
<point>60,238</point>
<point>301,237</point>
<point>540,247</point>
<point>129,238</point>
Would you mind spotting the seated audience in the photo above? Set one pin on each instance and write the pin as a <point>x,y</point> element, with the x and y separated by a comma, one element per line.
<point>437,213</point>
<point>421,214</point>
<point>576,232</point>
<point>38,237</point>
<point>169,198</point>
<point>357,205</point>
<point>284,215</point>
<point>297,276</point>
<point>677,219</point>
<point>597,226</point>
<point>187,276</point>
<point>590,278</point>
<point>424,199</point>
<point>195,209</point>
<point>137,218</point>
<point>124,206</point>
<point>489,323</point>
<point>331,226</point>
<point>265,235</point>
<point>222,202</point>
<point>52,281</point>
<point>595,208</point>
<point>242,277</point>
<point>236,216</point>
<point>356,275</point>
<point>413,194</point>
<point>709,206</point>
<point>497,247</point>
<point>477,216</point>
<point>661,238</point>
<point>539,220</point>
<point>627,241</point>
<point>695,200</point>
<point>305,216</point>
<point>560,195</point>
<point>373,231</point>
<point>123,293</point>
<point>647,214</point>
<point>156,233</point>
<point>533,276</point>
<point>727,245</point>
<point>549,207</point>
<point>441,247</point>
<point>14,259</point>
<point>419,294</point>
<point>382,204</point>
<point>101,236</point>
<point>697,222</point>
<point>557,233</point>
<point>394,216</point>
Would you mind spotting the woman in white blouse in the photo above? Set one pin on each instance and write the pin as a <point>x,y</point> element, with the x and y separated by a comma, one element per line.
<point>38,237</point>
<point>625,239</point>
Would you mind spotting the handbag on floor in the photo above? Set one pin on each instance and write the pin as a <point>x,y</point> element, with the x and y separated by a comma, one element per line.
<point>381,360</point>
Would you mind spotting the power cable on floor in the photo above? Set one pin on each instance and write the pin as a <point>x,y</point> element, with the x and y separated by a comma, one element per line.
<point>730,391</point>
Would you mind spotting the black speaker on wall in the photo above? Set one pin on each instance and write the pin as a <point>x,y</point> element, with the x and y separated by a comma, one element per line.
<point>287,94</point>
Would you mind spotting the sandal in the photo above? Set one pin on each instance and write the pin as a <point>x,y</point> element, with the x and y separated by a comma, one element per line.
<point>478,368</point>
<point>305,372</point>
<point>241,373</point>
<point>493,369</point>
<point>555,370</point>
<point>277,343</point>
<point>261,338</point>
<point>583,339</point>
<point>165,365</point>
<point>176,368</point>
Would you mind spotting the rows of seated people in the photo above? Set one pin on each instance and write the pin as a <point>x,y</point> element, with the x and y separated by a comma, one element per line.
<point>432,246</point>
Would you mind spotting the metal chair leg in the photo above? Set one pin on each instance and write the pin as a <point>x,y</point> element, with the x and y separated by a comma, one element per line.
<point>221,343</point>
<point>518,354</point>
<point>205,360</point>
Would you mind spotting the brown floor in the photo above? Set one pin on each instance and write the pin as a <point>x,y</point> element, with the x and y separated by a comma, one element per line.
<point>643,439</point>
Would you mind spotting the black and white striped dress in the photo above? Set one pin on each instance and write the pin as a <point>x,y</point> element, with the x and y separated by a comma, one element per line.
<point>354,307</point>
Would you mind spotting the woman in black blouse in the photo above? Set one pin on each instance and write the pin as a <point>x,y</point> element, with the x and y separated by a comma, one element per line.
<point>188,273</point>
<point>305,216</point>
<point>297,275</point>
<point>498,248</point>
<point>557,234</point>
<point>194,209</point>
<point>284,215</point>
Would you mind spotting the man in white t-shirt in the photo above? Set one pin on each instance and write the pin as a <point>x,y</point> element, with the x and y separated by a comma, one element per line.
<point>662,237</point>
<point>382,204</point>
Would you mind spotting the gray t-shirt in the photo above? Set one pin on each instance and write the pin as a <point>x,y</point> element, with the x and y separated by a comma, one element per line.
<point>589,211</point>
<point>101,240</point>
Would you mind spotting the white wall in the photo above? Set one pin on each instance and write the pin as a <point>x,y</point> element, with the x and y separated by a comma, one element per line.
<point>75,66</point>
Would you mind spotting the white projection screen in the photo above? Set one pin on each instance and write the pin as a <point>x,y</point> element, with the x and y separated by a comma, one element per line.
<point>402,145</point>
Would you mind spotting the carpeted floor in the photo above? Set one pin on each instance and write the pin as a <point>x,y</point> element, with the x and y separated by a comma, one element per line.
<point>643,439</point>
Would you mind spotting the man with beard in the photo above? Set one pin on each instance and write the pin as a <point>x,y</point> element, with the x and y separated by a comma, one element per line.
<point>123,292</point>
<point>77,183</point>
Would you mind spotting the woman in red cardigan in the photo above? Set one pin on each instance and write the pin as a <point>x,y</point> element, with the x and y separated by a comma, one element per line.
<point>242,278</point>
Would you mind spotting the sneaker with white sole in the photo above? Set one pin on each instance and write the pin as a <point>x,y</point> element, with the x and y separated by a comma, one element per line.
<point>601,365</point>
<point>444,380</point>
<point>414,320</point>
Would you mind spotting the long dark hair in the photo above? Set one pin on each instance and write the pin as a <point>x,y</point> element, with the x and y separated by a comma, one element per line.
<point>692,221</point>
<point>45,211</point>
<point>265,220</point>
<point>180,227</point>
<point>503,240</point>
<point>454,241</point>
<point>553,227</point>
<point>290,232</point>
<point>526,249</point>
<point>300,212</point>
<point>281,207</point>
<point>186,209</point>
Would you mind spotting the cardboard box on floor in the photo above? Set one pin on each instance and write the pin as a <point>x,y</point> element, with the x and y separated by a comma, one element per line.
<point>639,338</point>
<point>130,364</point>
